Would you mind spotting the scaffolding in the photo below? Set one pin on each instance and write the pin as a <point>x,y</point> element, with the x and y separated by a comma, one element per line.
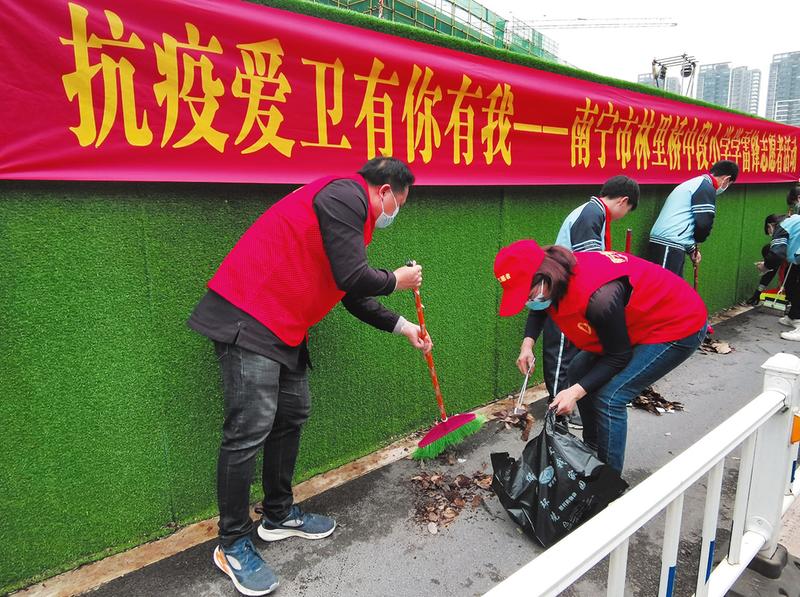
<point>521,36</point>
<point>463,19</point>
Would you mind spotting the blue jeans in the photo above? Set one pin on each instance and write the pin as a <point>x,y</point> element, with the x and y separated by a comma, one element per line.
<point>604,412</point>
<point>266,405</point>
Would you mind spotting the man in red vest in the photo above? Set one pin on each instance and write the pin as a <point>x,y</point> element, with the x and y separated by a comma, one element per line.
<point>632,320</point>
<point>303,255</point>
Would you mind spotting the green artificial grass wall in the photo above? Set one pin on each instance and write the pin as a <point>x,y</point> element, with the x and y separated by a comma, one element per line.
<point>760,201</point>
<point>370,387</point>
<point>84,467</point>
<point>112,406</point>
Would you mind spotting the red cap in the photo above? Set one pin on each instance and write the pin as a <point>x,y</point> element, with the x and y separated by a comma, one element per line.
<point>514,267</point>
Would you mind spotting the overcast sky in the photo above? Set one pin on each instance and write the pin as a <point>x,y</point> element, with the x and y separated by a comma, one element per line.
<point>742,33</point>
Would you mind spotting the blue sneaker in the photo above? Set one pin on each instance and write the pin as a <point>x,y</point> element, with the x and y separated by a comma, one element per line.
<point>249,572</point>
<point>296,524</point>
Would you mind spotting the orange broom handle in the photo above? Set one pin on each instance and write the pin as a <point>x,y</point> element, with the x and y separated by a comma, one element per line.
<point>429,356</point>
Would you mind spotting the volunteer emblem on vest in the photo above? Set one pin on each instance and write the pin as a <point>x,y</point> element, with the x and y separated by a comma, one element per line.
<point>614,256</point>
<point>585,327</point>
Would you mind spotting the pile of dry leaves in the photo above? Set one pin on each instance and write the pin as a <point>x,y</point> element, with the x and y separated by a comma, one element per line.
<point>715,346</point>
<point>439,498</point>
<point>653,402</point>
<point>509,420</point>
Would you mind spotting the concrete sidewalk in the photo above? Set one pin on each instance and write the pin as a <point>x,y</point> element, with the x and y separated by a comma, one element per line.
<point>379,549</point>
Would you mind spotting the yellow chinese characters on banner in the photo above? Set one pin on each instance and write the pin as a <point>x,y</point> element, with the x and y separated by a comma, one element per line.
<point>260,59</point>
<point>191,81</point>
<point>462,120</point>
<point>116,75</point>
<point>674,142</point>
<point>199,84</point>
<point>191,91</point>
<point>335,112</point>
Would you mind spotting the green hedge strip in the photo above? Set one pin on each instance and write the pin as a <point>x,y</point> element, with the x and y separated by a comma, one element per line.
<point>364,21</point>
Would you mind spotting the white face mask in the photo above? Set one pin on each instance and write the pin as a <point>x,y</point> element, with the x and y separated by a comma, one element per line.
<point>722,188</point>
<point>385,220</point>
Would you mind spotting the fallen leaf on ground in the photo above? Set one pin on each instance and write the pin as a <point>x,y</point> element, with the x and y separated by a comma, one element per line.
<point>528,426</point>
<point>439,498</point>
<point>463,481</point>
<point>715,346</point>
<point>484,481</point>
<point>509,419</point>
<point>655,403</point>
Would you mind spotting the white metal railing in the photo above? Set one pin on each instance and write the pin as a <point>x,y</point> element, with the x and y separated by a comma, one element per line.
<point>765,489</point>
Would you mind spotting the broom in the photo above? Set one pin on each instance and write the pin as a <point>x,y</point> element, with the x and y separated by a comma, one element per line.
<point>696,267</point>
<point>778,296</point>
<point>449,430</point>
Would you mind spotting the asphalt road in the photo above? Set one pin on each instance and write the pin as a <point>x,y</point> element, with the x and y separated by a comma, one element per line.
<point>379,549</point>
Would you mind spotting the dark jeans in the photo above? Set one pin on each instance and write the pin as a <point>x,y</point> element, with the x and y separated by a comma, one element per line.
<point>266,405</point>
<point>604,412</point>
<point>670,258</point>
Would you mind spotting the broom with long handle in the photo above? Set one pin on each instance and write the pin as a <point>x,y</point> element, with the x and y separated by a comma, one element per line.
<point>696,284</point>
<point>783,285</point>
<point>449,430</point>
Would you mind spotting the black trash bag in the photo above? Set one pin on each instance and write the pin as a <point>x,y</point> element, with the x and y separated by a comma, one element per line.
<point>556,485</point>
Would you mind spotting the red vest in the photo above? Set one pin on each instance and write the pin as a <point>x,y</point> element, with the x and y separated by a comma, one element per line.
<point>662,307</point>
<point>279,272</point>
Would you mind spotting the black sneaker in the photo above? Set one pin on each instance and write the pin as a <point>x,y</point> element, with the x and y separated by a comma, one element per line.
<point>296,524</point>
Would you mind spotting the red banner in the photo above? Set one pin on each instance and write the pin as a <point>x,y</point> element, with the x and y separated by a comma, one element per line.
<point>229,91</point>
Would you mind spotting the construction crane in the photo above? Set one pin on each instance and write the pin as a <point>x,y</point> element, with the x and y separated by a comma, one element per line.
<point>529,30</point>
<point>473,21</point>
<point>581,23</point>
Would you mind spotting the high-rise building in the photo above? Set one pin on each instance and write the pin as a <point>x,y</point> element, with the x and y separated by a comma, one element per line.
<point>788,111</point>
<point>714,83</point>
<point>672,84</point>
<point>745,89</point>
<point>783,89</point>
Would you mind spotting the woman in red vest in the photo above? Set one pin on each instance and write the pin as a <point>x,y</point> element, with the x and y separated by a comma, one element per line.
<point>633,321</point>
<point>303,255</point>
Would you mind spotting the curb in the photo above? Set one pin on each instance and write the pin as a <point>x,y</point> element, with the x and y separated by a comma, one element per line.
<point>91,576</point>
